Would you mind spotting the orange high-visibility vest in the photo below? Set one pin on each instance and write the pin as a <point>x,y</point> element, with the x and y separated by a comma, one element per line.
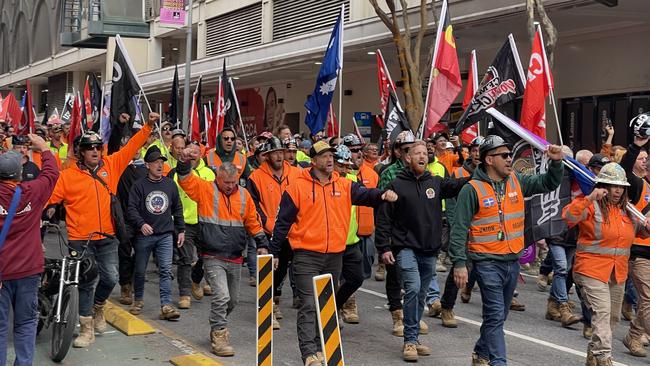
<point>487,223</point>
<point>461,173</point>
<point>602,247</point>
<point>239,161</point>
<point>644,200</point>
<point>365,215</point>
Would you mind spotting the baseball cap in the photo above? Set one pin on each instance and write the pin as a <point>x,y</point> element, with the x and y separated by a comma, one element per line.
<point>153,154</point>
<point>11,164</point>
<point>598,161</point>
<point>320,147</point>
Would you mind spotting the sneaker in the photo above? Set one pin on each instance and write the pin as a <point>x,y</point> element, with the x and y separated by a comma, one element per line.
<point>434,309</point>
<point>168,312</point>
<point>410,352</point>
<point>635,346</point>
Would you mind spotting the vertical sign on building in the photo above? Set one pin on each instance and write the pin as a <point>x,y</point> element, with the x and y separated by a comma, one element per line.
<point>172,12</point>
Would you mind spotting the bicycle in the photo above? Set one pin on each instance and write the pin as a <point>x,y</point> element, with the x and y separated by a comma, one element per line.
<point>58,295</point>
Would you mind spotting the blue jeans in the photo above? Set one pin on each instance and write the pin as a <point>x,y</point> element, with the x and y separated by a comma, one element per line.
<point>630,292</point>
<point>415,273</point>
<point>367,245</point>
<point>22,296</point>
<point>224,278</point>
<point>97,291</point>
<point>497,281</point>
<point>562,259</point>
<point>163,246</point>
<point>433,293</point>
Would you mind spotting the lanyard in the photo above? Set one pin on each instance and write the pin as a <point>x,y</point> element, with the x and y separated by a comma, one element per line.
<point>499,197</point>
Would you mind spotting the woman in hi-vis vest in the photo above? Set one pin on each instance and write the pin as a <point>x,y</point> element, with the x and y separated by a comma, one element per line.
<point>606,233</point>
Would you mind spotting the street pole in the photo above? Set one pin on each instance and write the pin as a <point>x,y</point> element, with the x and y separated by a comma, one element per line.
<point>188,67</point>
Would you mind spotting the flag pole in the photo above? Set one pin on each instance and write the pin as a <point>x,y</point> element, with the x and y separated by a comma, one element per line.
<point>341,69</point>
<point>390,80</point>
<point>550,84</point>
<point>234,93</point>
<point>101,107</point>
<point>441,20</point>
<point>474,82</point>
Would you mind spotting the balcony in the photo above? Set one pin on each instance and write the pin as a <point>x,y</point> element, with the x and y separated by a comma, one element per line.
<point>89,23</point>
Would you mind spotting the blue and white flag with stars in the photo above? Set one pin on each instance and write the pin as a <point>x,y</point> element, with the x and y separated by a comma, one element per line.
<point>319,101</point>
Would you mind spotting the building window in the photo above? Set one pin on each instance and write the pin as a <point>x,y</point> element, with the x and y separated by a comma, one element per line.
<point>292,18</point>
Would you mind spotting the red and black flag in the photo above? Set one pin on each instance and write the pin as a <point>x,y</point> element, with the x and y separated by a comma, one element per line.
<point>27,121</point>
<point>503,82</point>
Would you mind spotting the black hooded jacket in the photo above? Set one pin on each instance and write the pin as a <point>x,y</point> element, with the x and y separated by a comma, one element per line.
<point>415,220</point>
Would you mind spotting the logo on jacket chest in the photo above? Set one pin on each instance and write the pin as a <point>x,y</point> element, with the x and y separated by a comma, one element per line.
<point>513,196</point>
<point>431,193</point>
<point>489,202</point>
<point>157,202</point>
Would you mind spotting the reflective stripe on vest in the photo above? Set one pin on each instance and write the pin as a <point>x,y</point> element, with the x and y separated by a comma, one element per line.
<point>486,223</point>
<point>215,219</point>
<point>594,247</point>
<point>461,173</point>
<point>644,201</point>
<point>214,161</point>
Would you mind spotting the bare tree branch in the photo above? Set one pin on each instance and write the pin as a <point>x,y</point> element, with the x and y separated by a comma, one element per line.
<point>530,11</point>
<point>424,74</point>
<point>407,23</point>
<point>382,15</point>
<point>421,31</point>
<point>551,32</point>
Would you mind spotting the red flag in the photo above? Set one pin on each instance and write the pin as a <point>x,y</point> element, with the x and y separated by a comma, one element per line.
<point>208,121</point>
<point>444,82</point>
<point>218,116</point>
<point>75,120</point>
<point>11,112</point>
<point>538,86</point>
<point>471,132</point>
<point>88,106</point>
<point>27,119</point>
<point>385,84</point>
<point>332,124</point>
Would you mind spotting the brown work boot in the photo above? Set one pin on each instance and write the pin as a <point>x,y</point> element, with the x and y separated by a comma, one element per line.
<point>635,346</point>
<point>126,294</point>
<point>479,361</point>
<point>410,352</point>
<point>553,310</point>
<point>86,333</point>
<point>644,340</point>
<point>275,322</point>
<point>349,311</point>
<point>98,317</point>
<point>587,331</point>
<point>424,328</point>
<point>627,311</point>
<point>516,305</point>
<point>220,340</point>
<point>136,308</point>
<point>566,316</point>
<point>313,360</point>
<point>207,290</point>
<point>604,361</point>
<point>434,309</point>
<point>184,302</point>
<point>422,349</point>
<point>197,291</point>
<point>465,294</point>
<point>542,282</point>
<point>168,312</point>
<point>591,359</point>
<point>448,318</point>
<point>380,273</point>
<point>252,281</point>
<point>276,308</point>
<point>398,322</point>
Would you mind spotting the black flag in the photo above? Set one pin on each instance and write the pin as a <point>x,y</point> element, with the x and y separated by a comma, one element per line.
<point>173,101</point>
<point>395,120</point>
<point>230,102</point>
<point>96,100</point>
<point>502,83</point>
<point>125,87</point>
<point>66,111</point>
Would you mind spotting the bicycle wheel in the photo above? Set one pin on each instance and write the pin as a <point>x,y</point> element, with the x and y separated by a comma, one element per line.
<point>62,331</point>
<point>44,307</point>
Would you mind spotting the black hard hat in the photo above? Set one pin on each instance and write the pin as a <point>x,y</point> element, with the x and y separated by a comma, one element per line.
<point>641,125</point>
<point>20,140</point>
<point>598,161</point>
<point>90,138</point>
<point>272,144</point>
<point>476,141</point>
<point>351,139</point>
<point>490,143</point>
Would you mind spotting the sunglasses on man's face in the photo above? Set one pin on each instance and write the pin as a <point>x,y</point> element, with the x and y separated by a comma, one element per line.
<point>504,155</point>
<point>228,138</point>
<point>355,150</point>
<point>166,129</point>
<point>93,148</point>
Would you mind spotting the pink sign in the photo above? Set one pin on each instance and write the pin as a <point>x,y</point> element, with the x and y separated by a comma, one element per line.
<point>172,12</point>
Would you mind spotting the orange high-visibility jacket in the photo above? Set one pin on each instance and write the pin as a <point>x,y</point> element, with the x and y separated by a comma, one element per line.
<point>223,219</point>
<point>603,247</point>
<point>366,215</point>
<point>316,216</point>
<point>449,160</point>
<point>461,173</point>
<point>267,191</point>
<point>487,223</point>
<point>214,161</point>
<point>644,201</point>
<point>87,202</point>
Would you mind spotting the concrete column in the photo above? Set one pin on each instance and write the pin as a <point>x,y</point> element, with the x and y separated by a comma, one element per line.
<point>267,21</point>
<point>201,33</point>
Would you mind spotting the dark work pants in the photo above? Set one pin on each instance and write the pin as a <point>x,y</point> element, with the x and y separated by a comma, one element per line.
<point>393,288</point>
<point>126,261</point>
<point>184,258</point>
<point>450,293</point>
<point>284,265</point>
<point>308,264</point>
<point>351,273</point>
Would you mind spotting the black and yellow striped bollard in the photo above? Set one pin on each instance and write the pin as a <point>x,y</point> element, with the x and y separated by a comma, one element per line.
<point>328,320</point>
<point>265,310</point>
